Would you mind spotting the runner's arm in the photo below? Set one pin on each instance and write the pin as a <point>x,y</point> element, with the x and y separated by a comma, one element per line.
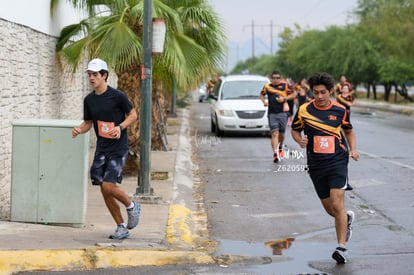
<point>350,137</point>
<point>84,127</point>
<point>297,136</point>
<point>130,118</point>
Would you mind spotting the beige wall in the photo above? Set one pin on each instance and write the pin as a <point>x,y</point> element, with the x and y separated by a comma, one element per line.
<point>31,86</point>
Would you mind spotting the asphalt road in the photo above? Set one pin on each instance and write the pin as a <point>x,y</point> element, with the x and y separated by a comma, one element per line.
<point>270,213</point>
<point>252,201</point>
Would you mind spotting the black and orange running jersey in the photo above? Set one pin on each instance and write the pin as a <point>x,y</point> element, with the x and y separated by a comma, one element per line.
<point>326,144</point>
<point>210,85</point>
<point>273,92</point>
<point>346,101</point>
<point>339,86</point>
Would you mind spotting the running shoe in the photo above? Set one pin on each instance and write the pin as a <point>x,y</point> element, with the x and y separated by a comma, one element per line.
<point>281,153</point>
<point>120,233</point>
<point>340,254</point>
<point>351,218</point>
<point>275,158</point>
<point>133,215</point>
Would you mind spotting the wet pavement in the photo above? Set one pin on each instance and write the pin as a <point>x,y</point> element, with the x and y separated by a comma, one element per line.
<point>159,238</point>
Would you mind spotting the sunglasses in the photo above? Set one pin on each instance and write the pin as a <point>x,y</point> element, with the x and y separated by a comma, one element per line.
<point>276,77</point>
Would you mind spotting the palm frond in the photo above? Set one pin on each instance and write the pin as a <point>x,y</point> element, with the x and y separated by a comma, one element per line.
<point>115,42</point>
<point>73,54</point>
<point>72,32</point>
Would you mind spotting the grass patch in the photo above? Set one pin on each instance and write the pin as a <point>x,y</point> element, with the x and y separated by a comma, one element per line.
<point>159,175</point>
<point>174,122</point>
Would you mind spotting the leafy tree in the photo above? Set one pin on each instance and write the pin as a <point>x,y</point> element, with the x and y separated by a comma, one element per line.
<point>193,48</point>
<point>391,22</point>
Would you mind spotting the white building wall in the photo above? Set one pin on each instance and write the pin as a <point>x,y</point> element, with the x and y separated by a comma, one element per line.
<point>31,84</point>
<point>36,14</point>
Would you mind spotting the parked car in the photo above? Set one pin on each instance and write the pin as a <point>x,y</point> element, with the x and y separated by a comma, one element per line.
<point>203,93</point>
<point>236,105</point>
<point>200,94</point>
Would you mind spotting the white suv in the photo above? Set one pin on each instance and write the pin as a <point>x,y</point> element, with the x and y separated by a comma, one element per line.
<point>235,105</point>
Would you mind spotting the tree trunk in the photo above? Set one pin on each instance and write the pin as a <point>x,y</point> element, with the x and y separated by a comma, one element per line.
<point>374,91</point>
<point>159,112</point>
<point>129,81</point>
<point>387,92</point>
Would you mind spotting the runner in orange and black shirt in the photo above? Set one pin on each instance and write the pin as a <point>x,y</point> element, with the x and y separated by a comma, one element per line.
<point>304,92</point>
<point>211,83</point>
<point>278,93</point>
<point>345,98</point>
<point>327,151</point>
<point>343,81</point>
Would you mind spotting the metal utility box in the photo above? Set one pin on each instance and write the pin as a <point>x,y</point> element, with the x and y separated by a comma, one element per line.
<point>49,172</point>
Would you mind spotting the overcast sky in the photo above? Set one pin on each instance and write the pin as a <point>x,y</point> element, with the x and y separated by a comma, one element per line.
<point>238,17</point>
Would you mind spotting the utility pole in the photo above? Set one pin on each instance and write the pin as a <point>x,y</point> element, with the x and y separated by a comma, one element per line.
<point>144,184</point>
<point>152,29</point>
<point>253,26</point>
<point>271,37</point>
<point>174,99</point>
<point>253,39</point>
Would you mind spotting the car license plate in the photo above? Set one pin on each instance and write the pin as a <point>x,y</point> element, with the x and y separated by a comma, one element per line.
<point>251,125</point>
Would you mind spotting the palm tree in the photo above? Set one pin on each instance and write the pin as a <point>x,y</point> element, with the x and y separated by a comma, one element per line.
<point>194,48</point>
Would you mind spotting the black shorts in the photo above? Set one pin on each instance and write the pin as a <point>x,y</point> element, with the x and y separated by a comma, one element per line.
<point>107,167</point>
<point>325,179</point>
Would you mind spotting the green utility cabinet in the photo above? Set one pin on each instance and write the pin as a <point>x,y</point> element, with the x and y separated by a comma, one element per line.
<point>49,172</point>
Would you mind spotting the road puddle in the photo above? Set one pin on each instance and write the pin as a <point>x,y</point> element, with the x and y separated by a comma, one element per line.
<point>297,255</point>
<point>278,246</point>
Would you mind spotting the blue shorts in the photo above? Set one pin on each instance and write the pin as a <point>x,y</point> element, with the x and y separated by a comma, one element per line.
<point>107,167</point>
<point>278,122</point>
<point>325,179</point>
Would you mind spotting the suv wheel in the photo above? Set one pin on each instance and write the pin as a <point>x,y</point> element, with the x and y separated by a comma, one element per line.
<point>213,126</point>
<point>219,132</point>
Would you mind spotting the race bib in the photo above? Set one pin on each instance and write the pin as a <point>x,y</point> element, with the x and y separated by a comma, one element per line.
<point>104,128</point>
<point>324,144</point>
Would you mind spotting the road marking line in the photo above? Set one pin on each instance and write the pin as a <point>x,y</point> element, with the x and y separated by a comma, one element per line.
<point>388,160</point>
<point>286,214</point>
<point>368,182</point>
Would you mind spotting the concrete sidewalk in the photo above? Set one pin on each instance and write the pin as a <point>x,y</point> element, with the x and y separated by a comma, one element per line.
<point>169,232</point>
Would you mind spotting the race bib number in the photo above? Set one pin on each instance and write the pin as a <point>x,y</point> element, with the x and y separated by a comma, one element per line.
<point>324,144</point>
<point>104,128</point>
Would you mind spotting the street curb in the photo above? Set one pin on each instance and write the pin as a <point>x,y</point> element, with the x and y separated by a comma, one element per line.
<point>385,107</point>
<point>187,220</point>
<point>179,227</point>
<point>86,259</point>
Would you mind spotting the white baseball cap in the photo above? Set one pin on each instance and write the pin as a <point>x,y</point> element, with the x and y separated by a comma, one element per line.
<point>96,65</point>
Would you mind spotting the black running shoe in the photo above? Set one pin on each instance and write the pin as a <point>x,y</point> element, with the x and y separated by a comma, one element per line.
<point>339,255</point>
